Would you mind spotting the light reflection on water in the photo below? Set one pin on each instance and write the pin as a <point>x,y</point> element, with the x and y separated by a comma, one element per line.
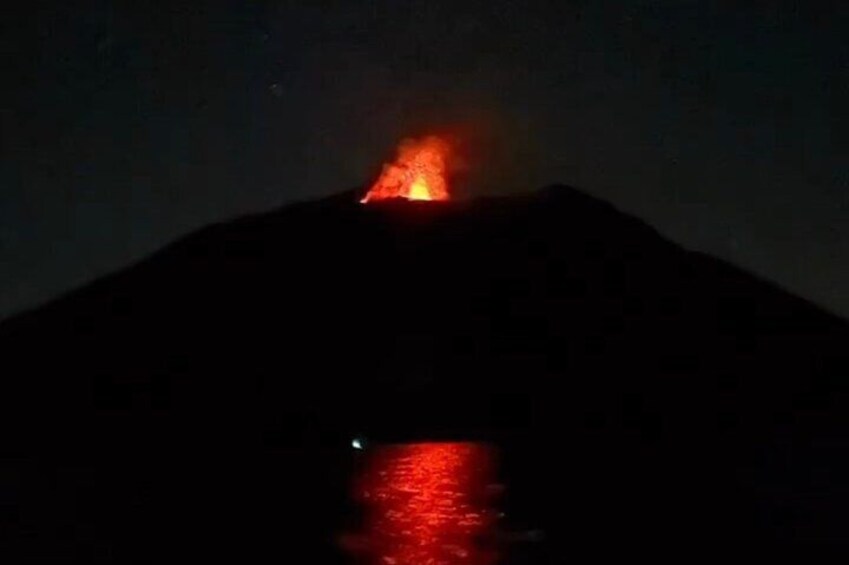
<point>427,504</point>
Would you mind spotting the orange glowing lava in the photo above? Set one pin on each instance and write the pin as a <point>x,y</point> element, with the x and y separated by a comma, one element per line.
<point>418,173</point>
<point>428,504</point>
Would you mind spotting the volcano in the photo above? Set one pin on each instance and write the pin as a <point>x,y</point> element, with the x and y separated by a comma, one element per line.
<point>200,403</point>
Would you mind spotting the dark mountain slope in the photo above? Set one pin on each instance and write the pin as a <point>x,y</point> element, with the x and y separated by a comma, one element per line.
<point>199,402</point>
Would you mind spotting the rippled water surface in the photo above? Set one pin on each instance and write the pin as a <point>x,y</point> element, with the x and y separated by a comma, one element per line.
<point>427,504</point>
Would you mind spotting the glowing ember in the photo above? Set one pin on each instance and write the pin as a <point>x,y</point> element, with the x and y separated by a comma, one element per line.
<point>418,172</point>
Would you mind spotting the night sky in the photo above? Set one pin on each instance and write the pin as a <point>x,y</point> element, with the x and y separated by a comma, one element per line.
<point>125,126</point>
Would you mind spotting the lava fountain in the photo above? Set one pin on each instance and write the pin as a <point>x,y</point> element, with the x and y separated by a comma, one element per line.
<point>418,172</point>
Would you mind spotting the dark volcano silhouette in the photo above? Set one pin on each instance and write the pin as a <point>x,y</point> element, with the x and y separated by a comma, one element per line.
<point>198,404</point>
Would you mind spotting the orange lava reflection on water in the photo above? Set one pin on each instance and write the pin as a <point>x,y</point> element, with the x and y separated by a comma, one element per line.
<point>428,504</point>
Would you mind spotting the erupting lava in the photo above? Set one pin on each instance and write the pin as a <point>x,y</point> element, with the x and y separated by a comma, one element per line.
<point>418,172</point>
